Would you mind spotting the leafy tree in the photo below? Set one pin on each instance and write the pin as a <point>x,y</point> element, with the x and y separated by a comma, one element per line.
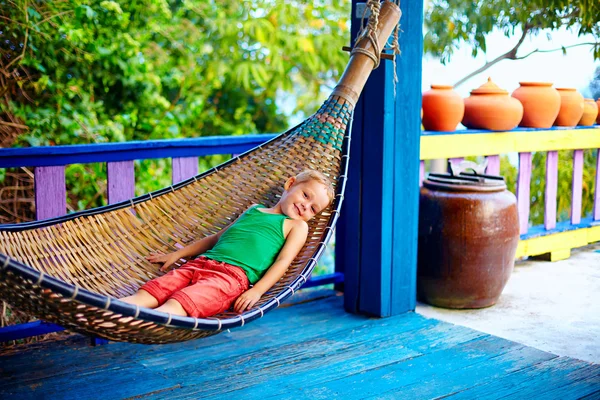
<point>452,24</point>
<point>102,71</point>
<point>594,86</point>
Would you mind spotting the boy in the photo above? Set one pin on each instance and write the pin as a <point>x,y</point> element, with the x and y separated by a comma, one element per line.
<point>256,249</point>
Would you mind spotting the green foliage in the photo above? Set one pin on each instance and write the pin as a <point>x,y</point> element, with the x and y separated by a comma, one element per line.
<point>594,86</point>
<point>451,24</point>
<point>108,71</point>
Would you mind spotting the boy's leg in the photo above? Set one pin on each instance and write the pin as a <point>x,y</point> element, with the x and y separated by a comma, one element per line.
<point>174,307</point>
<point>156,292</point>
<point>213,292</point>
<point>141,298</point>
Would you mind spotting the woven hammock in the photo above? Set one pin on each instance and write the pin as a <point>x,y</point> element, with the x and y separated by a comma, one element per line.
<point>72,270</point>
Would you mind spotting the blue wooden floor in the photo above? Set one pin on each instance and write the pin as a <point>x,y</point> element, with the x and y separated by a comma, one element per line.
<point>308,350</point>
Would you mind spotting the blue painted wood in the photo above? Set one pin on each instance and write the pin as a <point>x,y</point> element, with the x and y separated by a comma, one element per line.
<point>557,378</point>
<point>478,131</point>
<point>348,231</point>
<point>407,129</point>
<point>21,331</point>
<point>376,196</point>
<point>309,350</point>
<point>540,230</point>
<point>328,279</point>
<point>378,282</point>
<point>136,150</point>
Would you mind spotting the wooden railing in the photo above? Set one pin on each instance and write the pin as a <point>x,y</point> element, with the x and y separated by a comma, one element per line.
<point>555,239</point>
<point>552,238</point>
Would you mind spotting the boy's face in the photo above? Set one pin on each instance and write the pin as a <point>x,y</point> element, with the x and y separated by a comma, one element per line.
<point>303,200</point>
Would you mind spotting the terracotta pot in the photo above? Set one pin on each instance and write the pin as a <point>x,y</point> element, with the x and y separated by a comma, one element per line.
<point>490,107</point>
<point>590,112</point>
<point>468,237</point>
<point>598,117</point>
<point>541,103</point>
<point>571,107</point>
<point>443,108</point>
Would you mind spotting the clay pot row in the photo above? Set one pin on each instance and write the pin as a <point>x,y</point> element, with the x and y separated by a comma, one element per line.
<point>533,104</point>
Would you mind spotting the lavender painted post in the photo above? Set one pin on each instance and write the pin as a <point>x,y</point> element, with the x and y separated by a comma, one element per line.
<point>551,188</point>
<point>577,187</point>
<point>523,188</point>
<point>421,173</point>
<point>50,192</point>
<point>184,168</point>
<point>121,181</point>
<point>597,190</point>
<point>493,165</point>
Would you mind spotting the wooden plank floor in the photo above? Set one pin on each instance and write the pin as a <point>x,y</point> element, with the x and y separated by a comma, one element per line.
<point>310,350</point>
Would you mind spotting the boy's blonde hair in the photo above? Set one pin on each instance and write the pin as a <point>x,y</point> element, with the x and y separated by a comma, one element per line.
<point>311,174</point>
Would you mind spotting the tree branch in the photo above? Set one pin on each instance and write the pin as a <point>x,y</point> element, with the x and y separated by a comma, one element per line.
<point>562,48</point>
<point>510,55</point>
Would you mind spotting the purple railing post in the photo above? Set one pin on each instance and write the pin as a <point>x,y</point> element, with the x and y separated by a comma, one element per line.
<point>421,172</point>
<point>551,187</point>
<point>493,165</point>
<point>50,192</point>
<point>597,190</point>
<point>577,187</point>
<point>183,168</point>
<point>523,183</point>
<point>120,181</point>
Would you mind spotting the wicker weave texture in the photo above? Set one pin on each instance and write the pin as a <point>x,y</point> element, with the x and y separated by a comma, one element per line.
<point>105,252</point>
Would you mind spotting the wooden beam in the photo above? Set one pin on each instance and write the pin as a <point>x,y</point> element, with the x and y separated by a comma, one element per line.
<point>523,140</point>
<point>377,239</point>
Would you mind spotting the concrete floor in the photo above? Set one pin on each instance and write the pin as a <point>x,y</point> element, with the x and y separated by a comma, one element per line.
<point>554,307</point>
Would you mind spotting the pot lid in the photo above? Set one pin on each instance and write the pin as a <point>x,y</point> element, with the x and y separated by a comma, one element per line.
<point>465,181</point>
<point>489,88</point>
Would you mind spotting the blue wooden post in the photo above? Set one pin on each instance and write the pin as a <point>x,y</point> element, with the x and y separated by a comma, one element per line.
<point>377,239</point>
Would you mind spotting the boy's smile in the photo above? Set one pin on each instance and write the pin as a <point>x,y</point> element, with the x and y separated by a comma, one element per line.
<point>304,200</point>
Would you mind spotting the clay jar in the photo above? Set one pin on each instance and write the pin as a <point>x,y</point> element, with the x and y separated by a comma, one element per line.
<point>571,107</point>
<point>443,108</point>
<point>468,237</point>
<point>490,107</point>
<point>541,104</point>
<point>598,117</point>
<point>590,112</point>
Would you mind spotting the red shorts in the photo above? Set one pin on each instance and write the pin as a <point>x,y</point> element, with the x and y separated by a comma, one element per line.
<point>203,287</point>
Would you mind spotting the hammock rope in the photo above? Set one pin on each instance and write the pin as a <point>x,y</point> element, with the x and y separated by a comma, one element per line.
<point>71,270</point>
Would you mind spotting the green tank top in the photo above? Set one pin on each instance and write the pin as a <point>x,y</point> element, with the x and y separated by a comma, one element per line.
<point>251,243</point>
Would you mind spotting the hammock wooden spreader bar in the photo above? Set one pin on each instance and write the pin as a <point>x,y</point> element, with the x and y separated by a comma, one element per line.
<point>71,270</point>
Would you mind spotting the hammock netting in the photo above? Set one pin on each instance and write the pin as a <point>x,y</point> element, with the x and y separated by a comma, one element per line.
<point>72,270</point>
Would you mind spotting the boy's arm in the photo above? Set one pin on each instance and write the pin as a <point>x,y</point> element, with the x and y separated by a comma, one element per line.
<point>293,244</point>
<point>193,249</point>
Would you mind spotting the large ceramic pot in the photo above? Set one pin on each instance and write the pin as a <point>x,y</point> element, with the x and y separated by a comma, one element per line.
<point>443,108</point>
<point>571,107</point>
<point>490,107</point>
<point>541,104</point>
<point>590,113</point>
<point>468,236</point>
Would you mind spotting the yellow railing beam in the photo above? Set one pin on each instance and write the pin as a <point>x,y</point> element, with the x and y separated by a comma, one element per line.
<point>477,144</point>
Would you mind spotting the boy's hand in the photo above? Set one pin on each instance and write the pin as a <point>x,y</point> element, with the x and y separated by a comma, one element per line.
<point>166,259</point>
<point>247,300</point>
